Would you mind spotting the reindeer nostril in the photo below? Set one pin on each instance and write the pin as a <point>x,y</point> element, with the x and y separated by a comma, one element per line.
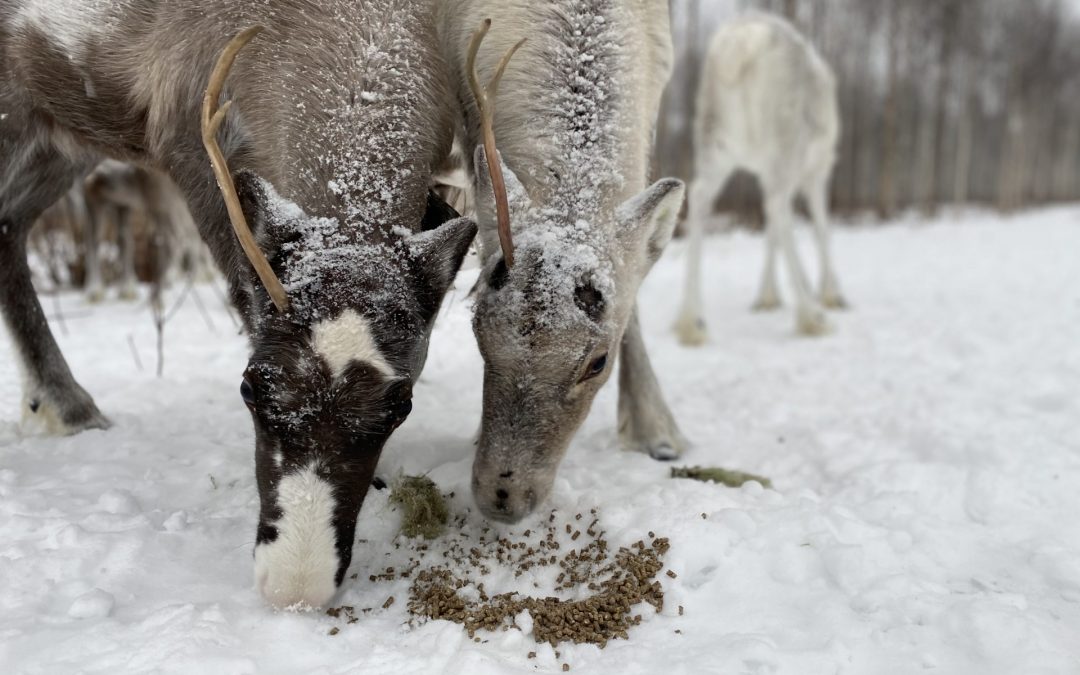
<point>507,474</point>
<point>502,494</point>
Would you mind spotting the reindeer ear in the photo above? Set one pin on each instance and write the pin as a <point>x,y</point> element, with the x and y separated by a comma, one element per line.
<point>270,217</point>
<point>252,194</point>
<point>516,197</point>
<point>437,213</point>
<point>436,257</point>
<point>647,221</point>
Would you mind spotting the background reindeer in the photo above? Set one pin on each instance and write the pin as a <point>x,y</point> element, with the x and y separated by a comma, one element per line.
<point>339,116</point>
<point>58,258</point>
<point>125,195</point>
<point>766,103</point>
<point>122,224</point>
<point>563,259</point>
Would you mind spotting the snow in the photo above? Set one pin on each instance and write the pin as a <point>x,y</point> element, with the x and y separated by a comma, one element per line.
<point>925,459</point>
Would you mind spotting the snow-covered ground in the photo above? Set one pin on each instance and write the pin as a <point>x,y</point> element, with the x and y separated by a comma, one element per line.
<point>925,457</point>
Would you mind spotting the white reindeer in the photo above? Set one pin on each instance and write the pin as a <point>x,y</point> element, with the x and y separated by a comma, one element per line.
<point>767,103</point>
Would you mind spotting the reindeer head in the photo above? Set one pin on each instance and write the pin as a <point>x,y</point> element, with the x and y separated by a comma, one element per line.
<point>549,329</point>
<point>553,300</point>
<point>339,321</point>
<point>331,378</point>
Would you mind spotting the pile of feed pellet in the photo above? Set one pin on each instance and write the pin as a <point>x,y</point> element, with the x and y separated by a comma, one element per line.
<point>592,597</point>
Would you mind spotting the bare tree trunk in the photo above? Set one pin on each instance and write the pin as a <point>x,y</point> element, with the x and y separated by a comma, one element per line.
<point>791,11</point>
<point>962,164</point>
<point>1037,185</point>
<point>869,154</point>
<point>1065,184</point>
<point>817,23</point>
<point>1012,159</point>
<point>949,25</point>
<point>922,184</point>
<point>886,202</point>
<point>850,112</point>
<point>1023,163</point>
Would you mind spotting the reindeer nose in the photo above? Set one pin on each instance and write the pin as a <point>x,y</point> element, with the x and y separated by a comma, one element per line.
<point>500,508</point>
<point>293,587</point>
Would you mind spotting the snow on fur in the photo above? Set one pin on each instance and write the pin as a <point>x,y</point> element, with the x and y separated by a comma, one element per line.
<point>568,231</point>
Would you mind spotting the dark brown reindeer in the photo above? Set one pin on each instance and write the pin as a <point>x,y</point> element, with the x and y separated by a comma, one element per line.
<point>337,116</point>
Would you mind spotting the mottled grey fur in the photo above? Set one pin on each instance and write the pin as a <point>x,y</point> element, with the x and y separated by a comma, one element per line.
<point>340,106</point>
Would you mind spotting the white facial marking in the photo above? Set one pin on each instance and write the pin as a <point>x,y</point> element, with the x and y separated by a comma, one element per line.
<point>346,339</point>
<point>298,568</point>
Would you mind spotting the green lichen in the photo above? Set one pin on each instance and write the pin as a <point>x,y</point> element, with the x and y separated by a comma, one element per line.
<point>424,510</point>
<point>717,475</point>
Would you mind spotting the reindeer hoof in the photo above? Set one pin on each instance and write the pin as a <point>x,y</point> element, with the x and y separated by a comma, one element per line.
<point>691,330</point>
<point>834,301</point>
<point>664,452</point>
<point>81,418</point>
<point>766,303</point>
<point>811,321</point>
<point>94,421</point>
<point>64,413</point>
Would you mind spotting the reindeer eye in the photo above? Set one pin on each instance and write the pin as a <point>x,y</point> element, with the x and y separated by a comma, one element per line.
<point>596,367</point>
<point>247,393</point>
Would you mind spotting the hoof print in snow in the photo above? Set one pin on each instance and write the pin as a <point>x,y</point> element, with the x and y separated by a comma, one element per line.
<point>95,604</point>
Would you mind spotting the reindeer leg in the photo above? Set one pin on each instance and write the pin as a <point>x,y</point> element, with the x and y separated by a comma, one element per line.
<point>768,297</point>
<point>50,392</point>
<point>93,285</point>
<point>711,175</point>
<point>125,233</point>
<point>33,176</point>
<point>645,421</point>
<point>809,314</point>
<point>816,192</point>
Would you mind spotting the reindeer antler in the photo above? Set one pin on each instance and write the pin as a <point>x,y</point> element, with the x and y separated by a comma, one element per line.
<point>212,117</point>
<point>485,103</point>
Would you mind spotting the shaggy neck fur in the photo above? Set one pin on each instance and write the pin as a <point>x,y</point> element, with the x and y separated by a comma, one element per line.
<point>590,74</point>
